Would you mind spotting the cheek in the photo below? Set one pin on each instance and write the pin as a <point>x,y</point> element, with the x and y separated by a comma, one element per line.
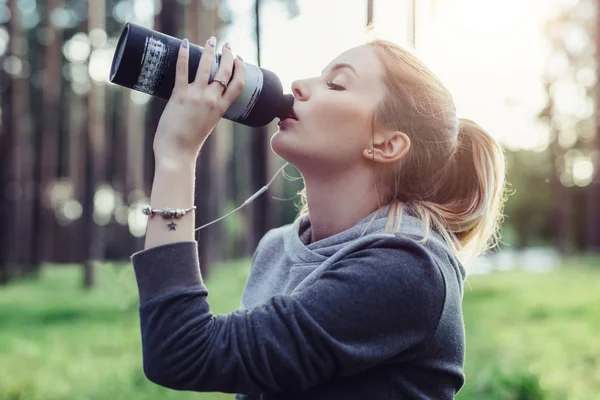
<point>333,130</point>
<point>337,116</point>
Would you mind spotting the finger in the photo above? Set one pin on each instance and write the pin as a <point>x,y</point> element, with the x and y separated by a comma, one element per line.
<point>225,70</point>
<point>237,83</point>
<point>206,62</point>
<point>182,68</point>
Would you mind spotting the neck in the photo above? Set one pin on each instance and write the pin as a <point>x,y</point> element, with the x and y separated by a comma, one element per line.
<point>338,203</point>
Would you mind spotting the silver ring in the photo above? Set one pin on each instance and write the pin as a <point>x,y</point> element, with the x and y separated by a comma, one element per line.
<point>222,82</point>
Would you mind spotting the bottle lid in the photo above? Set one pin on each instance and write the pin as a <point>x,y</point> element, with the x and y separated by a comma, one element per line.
<point>287,104</point>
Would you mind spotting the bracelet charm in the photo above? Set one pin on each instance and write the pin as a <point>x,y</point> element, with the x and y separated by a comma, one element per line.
<point>167,213</point>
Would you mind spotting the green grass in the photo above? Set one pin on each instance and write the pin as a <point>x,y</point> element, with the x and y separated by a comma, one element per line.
<point>58,341</point>
<point>534,336</point>
<point>529,336</point>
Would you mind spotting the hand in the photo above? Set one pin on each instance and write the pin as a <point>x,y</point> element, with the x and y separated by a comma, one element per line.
<point>194,108</point>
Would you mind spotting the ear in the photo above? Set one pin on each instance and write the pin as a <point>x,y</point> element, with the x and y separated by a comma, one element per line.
<point>388,147</point>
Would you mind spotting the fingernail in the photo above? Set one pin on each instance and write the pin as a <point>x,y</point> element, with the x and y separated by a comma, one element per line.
<point>240,58</point>
<point>212,41</point>
<point>185,43</point>
<point>228,45</point>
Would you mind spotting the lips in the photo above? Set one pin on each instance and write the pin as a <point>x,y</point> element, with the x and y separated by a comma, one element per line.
<point>292,115</point>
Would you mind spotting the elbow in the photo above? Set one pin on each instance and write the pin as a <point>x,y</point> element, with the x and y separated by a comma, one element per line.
<point>177,368</point>
<point>160,374</point>
<point>166,372</point>
<point>173,352</point>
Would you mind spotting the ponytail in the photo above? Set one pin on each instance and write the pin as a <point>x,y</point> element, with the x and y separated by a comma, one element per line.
<point>470,196</point>
<point>464,203</point>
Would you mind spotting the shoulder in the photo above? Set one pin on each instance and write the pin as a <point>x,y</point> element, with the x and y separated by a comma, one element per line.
<point>394,261</point>
<point>388,283</point>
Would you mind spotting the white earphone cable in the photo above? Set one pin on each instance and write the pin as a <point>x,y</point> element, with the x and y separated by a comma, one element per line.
<point>248,201</point>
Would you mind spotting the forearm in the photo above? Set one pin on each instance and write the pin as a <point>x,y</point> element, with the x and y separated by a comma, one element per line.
<point>173,187</point>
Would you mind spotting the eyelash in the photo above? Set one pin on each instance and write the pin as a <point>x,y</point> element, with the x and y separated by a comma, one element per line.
<point>334,86</point>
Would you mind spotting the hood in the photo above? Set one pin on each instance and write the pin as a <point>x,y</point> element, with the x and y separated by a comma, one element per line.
<point>297,247</point>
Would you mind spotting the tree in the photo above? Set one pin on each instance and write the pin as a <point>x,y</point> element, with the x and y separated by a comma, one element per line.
<point>260,220</point>
<point>369,12</point>
<point>571,123</point>
<point>17,202</point>
<point>529,204</point>
<point>594,192</point>
<point>48,151</point>
<point>95,164</point>
<point>203,21</point>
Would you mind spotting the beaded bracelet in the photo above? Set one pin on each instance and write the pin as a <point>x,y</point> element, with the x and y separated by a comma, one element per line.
<point>167,213</point>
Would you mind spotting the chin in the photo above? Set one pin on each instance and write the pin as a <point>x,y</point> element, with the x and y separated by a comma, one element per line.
<point>281,146</point>
<point>286,147</point>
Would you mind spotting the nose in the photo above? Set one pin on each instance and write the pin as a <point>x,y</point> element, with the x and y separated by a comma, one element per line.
<point>300,89</point>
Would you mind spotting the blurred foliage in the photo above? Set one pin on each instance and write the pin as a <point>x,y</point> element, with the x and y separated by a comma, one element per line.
<point>528,206</point>
<point>554,200</point>
<point>529,336</point>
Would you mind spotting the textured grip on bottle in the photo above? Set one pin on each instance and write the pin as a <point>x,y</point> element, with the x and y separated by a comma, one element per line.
<point>153,63</point>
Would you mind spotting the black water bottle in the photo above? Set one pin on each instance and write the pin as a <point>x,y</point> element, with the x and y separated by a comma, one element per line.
<point>145,60</point>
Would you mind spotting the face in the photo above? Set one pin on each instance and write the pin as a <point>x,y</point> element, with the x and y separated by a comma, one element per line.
<point>333,126</point>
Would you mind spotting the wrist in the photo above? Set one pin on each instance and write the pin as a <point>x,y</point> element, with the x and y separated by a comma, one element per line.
<point>173,183</point>
<point>175,162</point>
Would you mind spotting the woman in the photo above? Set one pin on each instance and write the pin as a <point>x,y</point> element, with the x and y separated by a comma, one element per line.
<point>361,300</point>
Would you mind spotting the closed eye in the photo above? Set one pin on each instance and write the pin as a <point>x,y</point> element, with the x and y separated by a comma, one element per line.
<point>334,86</point>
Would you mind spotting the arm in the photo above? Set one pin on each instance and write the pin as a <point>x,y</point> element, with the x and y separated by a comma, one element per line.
<point>190,115</point>
<point>380,303</point>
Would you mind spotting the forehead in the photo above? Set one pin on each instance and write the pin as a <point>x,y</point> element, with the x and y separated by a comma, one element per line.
<point>364,60</point>
<point>369,69</point>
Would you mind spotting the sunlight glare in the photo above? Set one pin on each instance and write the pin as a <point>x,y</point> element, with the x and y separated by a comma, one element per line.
<point>583,170</point>
<point>491,56</point>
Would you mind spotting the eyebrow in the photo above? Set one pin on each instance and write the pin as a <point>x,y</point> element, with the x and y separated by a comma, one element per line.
<point>343,65</point>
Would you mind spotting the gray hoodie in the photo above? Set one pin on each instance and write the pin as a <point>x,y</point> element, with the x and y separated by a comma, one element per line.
<point>358,315</point>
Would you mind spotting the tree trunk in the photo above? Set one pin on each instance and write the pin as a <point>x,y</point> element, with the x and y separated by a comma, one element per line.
<point>17,204</point>
<point>201,23</point>
<point>77,172</point>
<point>593,234</point>
<point>260,216</point>
<point>47,163</point>
<point>6,174</point>
<point>241,190</point>
<point>96,165</point>
<point>560,199</point>
<point>24,153</point>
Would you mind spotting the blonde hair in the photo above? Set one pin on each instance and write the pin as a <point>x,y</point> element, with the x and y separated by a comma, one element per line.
<point>452,178</point>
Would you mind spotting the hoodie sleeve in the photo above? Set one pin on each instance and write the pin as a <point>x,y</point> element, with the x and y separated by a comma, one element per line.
<point>380,302</point>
